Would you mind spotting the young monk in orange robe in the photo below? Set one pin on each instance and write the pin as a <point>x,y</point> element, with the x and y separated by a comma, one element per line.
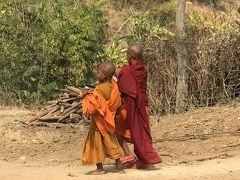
<point>102,105</point>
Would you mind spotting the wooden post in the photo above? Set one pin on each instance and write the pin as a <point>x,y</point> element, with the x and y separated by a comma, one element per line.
<point>182,75</point>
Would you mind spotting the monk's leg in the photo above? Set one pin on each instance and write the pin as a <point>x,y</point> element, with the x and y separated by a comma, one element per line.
<point>123,145</point>
<point>128,156</point>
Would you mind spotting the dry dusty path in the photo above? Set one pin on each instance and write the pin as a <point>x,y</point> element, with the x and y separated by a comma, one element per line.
<point>213,169</point>
<point>201,144</point>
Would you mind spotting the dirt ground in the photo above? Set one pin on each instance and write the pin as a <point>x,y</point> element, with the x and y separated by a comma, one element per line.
<point>201,144</point>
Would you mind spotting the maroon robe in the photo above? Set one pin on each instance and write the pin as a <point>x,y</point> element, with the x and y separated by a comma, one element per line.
<point>132,82</point>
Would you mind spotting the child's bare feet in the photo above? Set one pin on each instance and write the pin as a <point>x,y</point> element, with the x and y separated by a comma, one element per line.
<point>98,171</point>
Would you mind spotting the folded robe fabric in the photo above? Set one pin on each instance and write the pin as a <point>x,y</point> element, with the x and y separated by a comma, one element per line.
<point>102,111</point>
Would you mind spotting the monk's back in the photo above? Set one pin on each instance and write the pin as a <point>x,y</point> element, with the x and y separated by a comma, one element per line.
<point>105,89</point>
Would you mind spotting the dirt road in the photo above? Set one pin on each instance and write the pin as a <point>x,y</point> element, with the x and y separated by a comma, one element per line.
<point>202,144</point>
<point>214,169</point>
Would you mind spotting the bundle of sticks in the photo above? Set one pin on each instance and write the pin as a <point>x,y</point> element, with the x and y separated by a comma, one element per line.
<point>66,109</point>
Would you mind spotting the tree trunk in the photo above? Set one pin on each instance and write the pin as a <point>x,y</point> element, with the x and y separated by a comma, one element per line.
<point>181,94</point>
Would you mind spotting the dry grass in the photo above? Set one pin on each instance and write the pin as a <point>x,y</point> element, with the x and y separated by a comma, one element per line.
<point>46,137</point>
<point>20,136</point>
<point>12,135</point>
<point>212,56</point>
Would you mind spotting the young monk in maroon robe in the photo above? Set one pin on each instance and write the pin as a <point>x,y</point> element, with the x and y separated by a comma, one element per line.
<point>132,82</point>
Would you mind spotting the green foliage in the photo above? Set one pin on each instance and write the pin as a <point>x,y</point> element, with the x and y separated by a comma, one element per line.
<point>163,13</point>
<point>144,29</point>
<point>199,23</point>
<point>115,52</point>
<point>48,44</point>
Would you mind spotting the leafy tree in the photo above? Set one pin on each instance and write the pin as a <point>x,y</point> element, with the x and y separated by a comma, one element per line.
<point>48,44</point>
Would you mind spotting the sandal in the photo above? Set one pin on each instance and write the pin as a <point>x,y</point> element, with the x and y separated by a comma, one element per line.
<point>127,159</point>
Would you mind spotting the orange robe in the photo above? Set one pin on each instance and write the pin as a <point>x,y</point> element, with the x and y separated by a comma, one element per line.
<point>101,141</point>
<point>122,128</point>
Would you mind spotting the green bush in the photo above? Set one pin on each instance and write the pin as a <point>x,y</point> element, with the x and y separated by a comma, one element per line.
<point>45,45</point>
<point>145,28</point>
<point>163,13</point>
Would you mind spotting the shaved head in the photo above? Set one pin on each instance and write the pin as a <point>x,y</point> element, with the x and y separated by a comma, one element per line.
<point>135,51</point>
<point>108,69</point>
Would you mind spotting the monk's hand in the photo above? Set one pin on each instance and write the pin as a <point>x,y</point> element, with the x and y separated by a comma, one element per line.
<point>117,72</point>
<point>85,91</point>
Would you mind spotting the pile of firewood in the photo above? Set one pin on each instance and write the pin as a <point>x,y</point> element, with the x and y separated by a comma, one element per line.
<point>66,109</point>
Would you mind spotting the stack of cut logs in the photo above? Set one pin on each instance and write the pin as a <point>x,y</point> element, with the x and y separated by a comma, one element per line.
<point>66,109</point>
